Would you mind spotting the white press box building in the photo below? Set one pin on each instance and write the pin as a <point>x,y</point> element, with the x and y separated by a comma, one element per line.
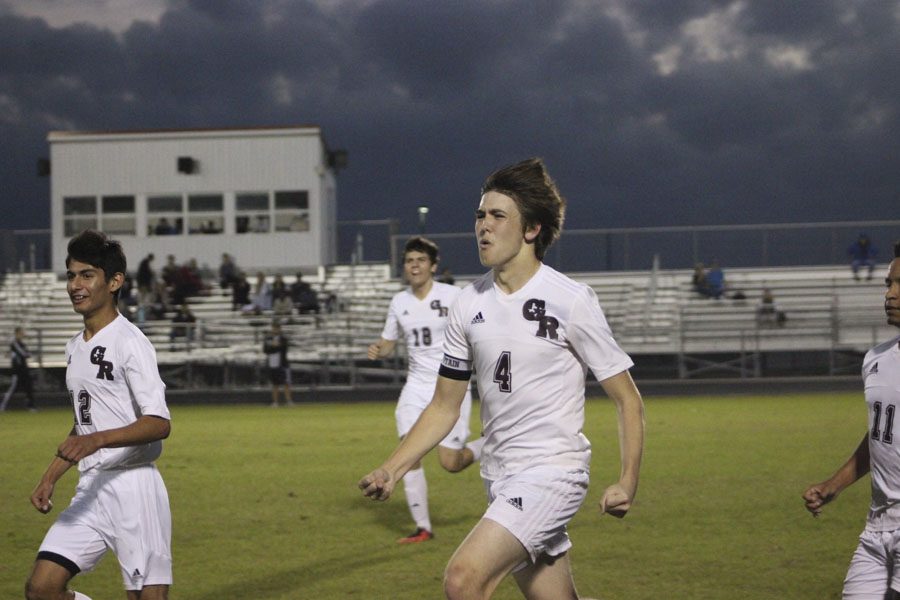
<point>266,196</point>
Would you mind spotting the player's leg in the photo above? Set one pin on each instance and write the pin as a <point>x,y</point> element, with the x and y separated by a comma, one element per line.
<point>287,387</point>
<point>549,578</point>
<point>415,485</point>
<point>48,580</point>
<point>9,392</point>
<point>868,576</point>
<point>481,562</point>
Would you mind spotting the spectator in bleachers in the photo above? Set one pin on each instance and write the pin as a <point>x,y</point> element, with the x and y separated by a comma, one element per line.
<point>767,312</point>
<point>145,279</point>
<point>446,277</point>
<point>698,280</point>
<point>127,301</point>
<point>183,325</point>
<point>862,254</point>
<point>227,271</point>
<point>170,271</point>
<point>240,291</point>
<point>304,297</point>
<point>282,306</point>
<point>715,281</point>
<point>187,282</point>
<point>262,296</point>
<point>275,347</point>
<point>278,286</point>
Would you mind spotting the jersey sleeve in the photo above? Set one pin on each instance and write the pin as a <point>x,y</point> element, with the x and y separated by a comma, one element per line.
<point>142,375</point>
<point>391,331</point>
<point>457,361</point>
<point>592,339</point>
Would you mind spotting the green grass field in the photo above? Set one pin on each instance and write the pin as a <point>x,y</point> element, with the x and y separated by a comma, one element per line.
<point>265,504</point>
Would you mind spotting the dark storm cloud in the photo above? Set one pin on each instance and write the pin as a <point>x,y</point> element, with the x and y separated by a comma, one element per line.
<point>685,112</point>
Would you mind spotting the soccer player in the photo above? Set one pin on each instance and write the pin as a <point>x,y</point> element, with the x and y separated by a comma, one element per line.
<point>21,376</point>
<point>875,567</point>
<point>275,347</point>
<point>530,334</point>
<point>121,418</point>
<point>420,313</point>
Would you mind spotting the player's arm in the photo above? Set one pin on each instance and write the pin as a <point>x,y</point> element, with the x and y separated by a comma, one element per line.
<point>818,495</point>
<point>43,492</point>
<point>146,429</point>
<point>433,425</point>
<point>381,349</point>
<point>620,388</point>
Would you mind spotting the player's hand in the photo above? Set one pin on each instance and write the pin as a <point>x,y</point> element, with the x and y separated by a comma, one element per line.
<point>616,501</point>
<point>817,496</point>
<point>373,351</point>
<point>40,497</point>
<point>76,447</point>
<point>377,485</point>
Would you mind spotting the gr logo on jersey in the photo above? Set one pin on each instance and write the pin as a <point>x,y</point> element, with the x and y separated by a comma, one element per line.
<point>536,310</point>
<point>441,310</point>
<point>106,367</point>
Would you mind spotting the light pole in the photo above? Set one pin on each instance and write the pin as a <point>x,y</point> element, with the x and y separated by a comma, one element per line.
<point>423,215</point>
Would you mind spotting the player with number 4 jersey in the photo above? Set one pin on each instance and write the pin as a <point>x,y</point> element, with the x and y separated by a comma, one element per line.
<point>875,567</point>
<point>420,314</point>
<point>530,335</point>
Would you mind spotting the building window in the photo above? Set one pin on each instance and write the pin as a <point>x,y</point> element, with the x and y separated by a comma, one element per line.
<point>165,215</point>
<point>252,212</point>
<point>79,213</point>
<point>117,215</point>
<point>205,213</point>
<point>292,211</point>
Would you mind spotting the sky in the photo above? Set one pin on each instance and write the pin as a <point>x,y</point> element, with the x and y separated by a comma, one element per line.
<point>646,112</point>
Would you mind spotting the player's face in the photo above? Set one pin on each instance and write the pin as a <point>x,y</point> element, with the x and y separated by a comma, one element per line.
<point>892,293</point>
<point>418,268</point>
<point>499,230</point>
<point>88,288</point>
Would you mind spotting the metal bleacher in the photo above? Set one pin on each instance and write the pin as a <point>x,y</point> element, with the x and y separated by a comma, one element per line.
<point>653,313</point>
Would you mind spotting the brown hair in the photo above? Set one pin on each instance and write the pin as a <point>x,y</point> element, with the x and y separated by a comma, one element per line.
<point>539,202</point>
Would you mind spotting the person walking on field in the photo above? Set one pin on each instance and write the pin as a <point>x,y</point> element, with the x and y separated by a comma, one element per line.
<point>121,418</point>
<point>875,567</point>
<point>530,334</point>
<point>21,375</point>
<point>420,314</point>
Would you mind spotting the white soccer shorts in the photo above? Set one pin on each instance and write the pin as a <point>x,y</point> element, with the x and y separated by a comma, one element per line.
<point>536,505</point>
<point>873,568</point>
<point>413,400</point>
<point>124,510</point>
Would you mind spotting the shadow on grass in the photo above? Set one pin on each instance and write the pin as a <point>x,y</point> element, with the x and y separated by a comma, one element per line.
<point>298,579</point>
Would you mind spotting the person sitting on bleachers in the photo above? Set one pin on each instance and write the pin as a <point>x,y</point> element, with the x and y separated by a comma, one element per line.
<point>187,282</point>
<point>304,297</point>
<point>715,281</point>
<point>227,271</point>
<point>240,291</point>
<point>262,297</point>
<point>698,280</point>
<point>767,312</point>
<point>862,254</point>
<point>282,306</point>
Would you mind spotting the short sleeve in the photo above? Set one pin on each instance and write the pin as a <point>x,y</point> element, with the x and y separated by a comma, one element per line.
<point>592,339</point>
<point>457,361</point>
<point>142,375</point>
<point>391,331</point>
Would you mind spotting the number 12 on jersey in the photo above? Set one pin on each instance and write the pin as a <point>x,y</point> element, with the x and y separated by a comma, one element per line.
<point>886,435</point>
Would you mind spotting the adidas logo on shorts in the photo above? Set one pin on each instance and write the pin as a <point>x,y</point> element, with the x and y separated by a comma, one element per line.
<point>517,502</point>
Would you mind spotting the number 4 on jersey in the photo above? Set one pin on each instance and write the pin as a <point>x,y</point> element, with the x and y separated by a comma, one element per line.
<point>503,372</point>
<point>887,435</point>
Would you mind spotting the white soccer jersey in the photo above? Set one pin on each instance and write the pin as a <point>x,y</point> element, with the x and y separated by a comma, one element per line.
<point>423,323</point>
<point>531,351</point>
<point>113,379</point>
<point>881,376</point>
